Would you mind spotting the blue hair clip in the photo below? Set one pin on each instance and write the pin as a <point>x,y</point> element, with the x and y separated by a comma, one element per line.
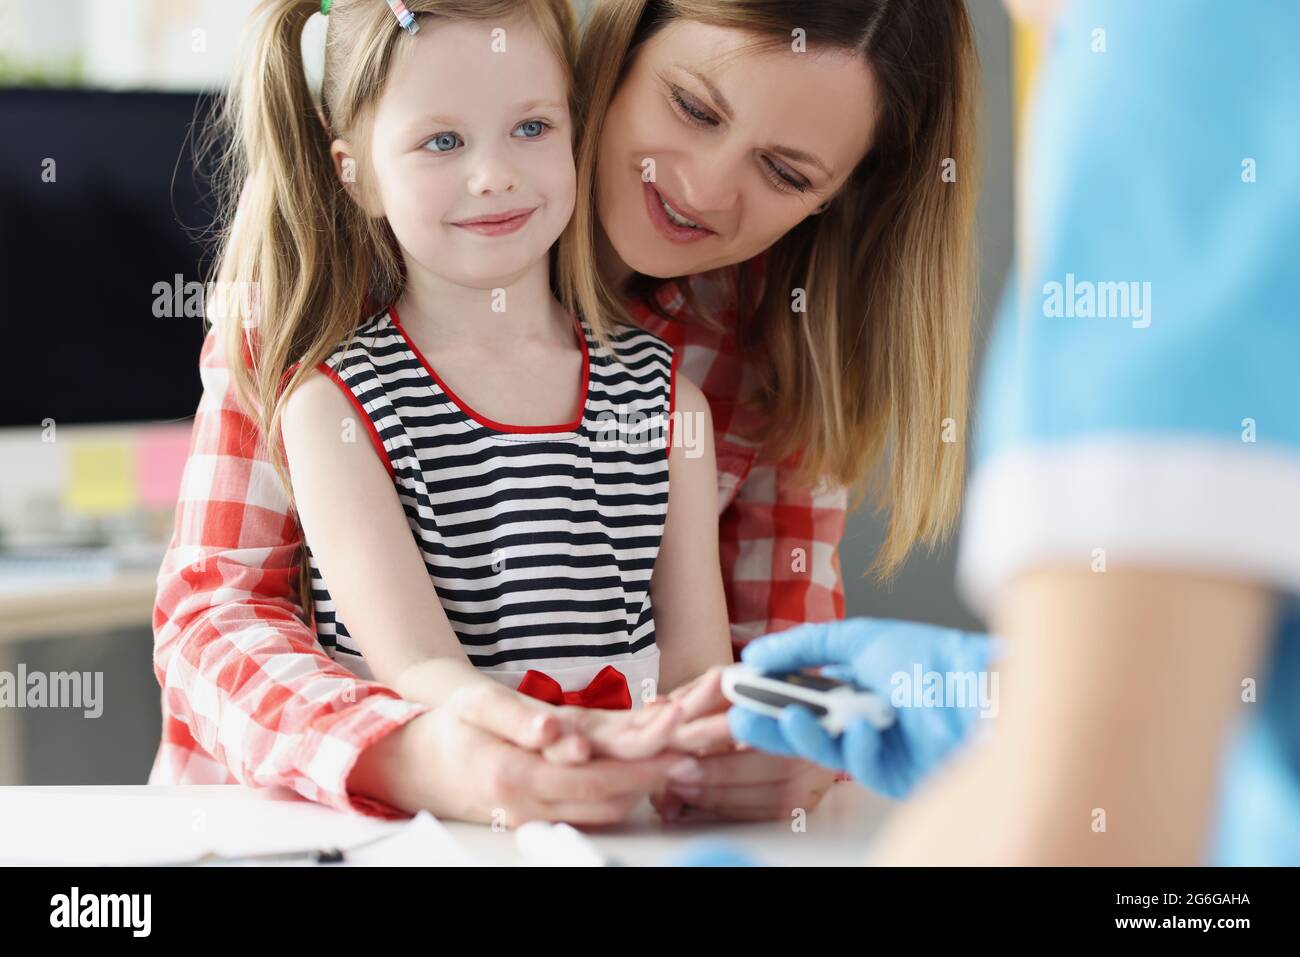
<point>404,17</point>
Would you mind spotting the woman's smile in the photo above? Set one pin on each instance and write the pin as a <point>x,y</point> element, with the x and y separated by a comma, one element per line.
<point>669,222</point>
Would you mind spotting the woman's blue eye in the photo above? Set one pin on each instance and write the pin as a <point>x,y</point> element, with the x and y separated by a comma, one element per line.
<point>444,142</point>
<point>533,128</point>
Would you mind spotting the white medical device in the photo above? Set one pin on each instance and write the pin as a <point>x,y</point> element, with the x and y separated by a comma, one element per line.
<point>834,703</point>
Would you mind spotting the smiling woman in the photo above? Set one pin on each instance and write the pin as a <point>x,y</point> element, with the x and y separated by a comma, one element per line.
<point>831,145</point>
<point>769,123</point>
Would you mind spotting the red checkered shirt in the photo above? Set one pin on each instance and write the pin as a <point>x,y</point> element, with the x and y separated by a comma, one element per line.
<point>248,694</point>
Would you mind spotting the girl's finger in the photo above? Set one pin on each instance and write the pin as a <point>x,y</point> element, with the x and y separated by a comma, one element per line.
<point>704,695</point>
<point>569,749</point>
<point>619,736</point>
<point>708,735</point>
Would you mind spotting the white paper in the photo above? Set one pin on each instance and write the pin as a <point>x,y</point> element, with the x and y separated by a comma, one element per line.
<point>72,826</point>
<point>423,841</point>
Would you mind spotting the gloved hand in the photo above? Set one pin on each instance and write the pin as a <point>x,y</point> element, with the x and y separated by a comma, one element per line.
<point>712,853</point>
<point>884,656</point>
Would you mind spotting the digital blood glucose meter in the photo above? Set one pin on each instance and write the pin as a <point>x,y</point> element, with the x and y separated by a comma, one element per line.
<point>835,704</point>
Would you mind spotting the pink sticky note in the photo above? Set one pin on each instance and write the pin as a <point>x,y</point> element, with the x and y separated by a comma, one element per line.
<point>160,453</point>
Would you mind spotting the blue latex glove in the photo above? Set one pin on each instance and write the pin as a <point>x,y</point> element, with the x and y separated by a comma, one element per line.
<point>881,655</point>
<point>712,853</point>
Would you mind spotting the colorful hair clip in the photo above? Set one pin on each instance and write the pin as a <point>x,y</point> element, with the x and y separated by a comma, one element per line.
<point>404,17</point>
<point>324,8</point>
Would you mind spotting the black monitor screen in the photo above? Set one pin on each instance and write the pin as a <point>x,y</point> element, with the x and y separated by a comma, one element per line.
<point>99,204</point>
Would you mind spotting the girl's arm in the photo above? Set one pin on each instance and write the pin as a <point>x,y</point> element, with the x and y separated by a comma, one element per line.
<point>690,607</point>
<point>231,648</point>
<point>358,531</point>
<point>1117,693</point>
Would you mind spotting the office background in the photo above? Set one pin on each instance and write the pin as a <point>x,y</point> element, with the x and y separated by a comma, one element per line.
<point>130,202</point>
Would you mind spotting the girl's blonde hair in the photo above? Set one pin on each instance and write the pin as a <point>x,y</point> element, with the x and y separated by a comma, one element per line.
<point>880,358</point>
<point>286,226</point>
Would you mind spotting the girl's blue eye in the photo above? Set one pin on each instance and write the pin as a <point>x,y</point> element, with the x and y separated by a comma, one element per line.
<point>444,142</point>
<point>533,128</point>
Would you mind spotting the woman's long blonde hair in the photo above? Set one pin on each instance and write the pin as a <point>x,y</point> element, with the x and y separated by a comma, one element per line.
<point>287,228</point>
<point>879,361</point>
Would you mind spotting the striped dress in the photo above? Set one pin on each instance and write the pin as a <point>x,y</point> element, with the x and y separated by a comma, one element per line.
<point>540,540</point>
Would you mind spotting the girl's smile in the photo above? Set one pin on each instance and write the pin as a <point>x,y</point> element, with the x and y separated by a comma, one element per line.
<point>497,224</point>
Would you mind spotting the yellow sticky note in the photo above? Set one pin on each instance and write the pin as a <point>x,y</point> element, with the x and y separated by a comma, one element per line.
<point>100,478</point>
<point>1027,57</point>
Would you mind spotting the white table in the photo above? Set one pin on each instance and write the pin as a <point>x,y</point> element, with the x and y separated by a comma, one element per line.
<point>837,833</point>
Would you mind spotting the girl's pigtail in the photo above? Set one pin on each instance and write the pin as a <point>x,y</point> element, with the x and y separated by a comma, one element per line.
<point>292,243</point>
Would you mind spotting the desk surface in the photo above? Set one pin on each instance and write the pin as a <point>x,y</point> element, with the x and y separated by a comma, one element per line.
<point>837,833</point>
<point>71,608</point>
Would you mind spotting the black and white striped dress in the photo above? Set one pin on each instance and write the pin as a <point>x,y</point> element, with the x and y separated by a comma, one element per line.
<point>540,540</point>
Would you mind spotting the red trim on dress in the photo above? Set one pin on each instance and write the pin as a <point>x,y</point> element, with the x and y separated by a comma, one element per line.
<point>490,423</point>
<point>365,418</point>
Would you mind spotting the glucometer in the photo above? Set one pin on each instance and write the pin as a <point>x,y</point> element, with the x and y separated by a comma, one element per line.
<point>835,704</point>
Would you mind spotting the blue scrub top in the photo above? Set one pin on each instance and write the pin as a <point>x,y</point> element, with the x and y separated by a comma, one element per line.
<point>1141,393</point>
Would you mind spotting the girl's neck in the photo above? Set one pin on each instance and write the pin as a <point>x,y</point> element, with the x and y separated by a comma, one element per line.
<point>444,314</point>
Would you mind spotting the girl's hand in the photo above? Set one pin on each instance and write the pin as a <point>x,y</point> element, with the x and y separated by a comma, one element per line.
<point>629,735</point>
<point>736,782</point>
<point>479,757</point>
<point>703,728</point>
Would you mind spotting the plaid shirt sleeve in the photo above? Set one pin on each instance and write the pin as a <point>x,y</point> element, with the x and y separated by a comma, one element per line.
<point>780,553</point>
<point>248,694</point>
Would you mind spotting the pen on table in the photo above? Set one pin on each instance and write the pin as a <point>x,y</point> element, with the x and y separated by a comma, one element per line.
<point>312,855</point>
<point>308,855</point>
<point>321,855</point>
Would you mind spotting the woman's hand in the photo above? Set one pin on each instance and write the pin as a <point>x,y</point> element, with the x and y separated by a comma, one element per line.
<point>491,755</point>
<point>736,782</point>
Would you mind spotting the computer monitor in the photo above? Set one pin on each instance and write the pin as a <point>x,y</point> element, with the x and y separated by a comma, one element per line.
<point>99,204</point>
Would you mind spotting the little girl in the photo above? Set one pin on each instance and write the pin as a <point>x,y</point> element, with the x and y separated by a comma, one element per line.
<point>490,487</point>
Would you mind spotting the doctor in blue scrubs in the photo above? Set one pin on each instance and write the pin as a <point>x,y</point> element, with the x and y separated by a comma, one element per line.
<point>1132,527</point>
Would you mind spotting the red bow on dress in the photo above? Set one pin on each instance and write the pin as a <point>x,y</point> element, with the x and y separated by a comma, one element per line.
<point>607,690</point>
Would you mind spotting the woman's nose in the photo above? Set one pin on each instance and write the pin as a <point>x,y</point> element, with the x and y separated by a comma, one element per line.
<point>710,187</point>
